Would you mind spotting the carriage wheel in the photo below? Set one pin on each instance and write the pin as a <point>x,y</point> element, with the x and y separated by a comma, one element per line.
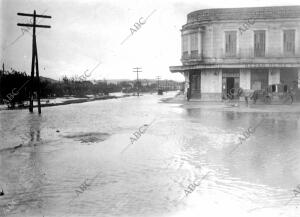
<point>267,100</point>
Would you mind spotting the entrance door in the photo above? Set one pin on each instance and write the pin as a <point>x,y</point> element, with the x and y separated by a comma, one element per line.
<point>230,87</point>
<point>289,76</point>
<point>230,83</point>
<point>196,84</point>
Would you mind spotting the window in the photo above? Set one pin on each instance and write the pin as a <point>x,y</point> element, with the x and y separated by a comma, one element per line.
<point>194,42</point>
<point>230,44</point>
<point>196,81</point>
<point>259,43</point>
<point>194,45</point>
<point>185,46</point>
<point>289,42</point>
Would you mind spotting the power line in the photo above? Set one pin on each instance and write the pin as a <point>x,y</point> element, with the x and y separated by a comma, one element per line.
<point>158,78</point>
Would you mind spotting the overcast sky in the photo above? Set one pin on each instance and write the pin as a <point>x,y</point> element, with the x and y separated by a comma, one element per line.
<point>85,33</point>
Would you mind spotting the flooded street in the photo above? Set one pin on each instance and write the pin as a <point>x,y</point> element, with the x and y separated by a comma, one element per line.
<point>84,160</point>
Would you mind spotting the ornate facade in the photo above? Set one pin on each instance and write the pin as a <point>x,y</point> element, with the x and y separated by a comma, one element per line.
<point>248,48</point>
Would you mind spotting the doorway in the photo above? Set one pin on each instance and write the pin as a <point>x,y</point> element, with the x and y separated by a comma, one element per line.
<point>289,76</point>
<point>230,83</point>
<point>229,86</point>
<point>195,84</point>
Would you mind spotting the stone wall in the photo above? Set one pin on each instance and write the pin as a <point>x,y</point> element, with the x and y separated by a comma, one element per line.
<point>211,85</point>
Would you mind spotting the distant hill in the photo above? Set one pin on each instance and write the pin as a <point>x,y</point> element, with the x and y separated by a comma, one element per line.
<point>115,81</point>
<point>48,79</point>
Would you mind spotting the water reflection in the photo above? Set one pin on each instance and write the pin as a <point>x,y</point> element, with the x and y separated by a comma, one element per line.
<point>269,158</point>
<point>149,179</point>
<point>34,125</point>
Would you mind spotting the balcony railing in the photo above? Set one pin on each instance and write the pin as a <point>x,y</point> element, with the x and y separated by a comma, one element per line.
<point>248,53</point>
<point>185,55</point>
<point>194,55</point>
<point>241,55</point>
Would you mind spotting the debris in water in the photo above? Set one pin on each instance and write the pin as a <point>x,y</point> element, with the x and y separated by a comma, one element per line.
<point>18,146</point>
<point>89,137</point>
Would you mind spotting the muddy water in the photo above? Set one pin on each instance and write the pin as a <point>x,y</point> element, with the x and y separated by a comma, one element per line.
<point>189,162</point>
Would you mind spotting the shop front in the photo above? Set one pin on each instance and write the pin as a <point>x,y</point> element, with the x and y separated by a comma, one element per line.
<point>230,83</point>
<point>195,84</point>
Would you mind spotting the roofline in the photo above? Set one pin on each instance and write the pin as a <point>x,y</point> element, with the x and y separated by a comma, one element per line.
<point>270,12</point>
<point>238,8</point>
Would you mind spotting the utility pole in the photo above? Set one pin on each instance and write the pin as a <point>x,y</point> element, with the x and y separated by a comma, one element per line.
<point>137,70</point>
<point>157,77</point>
<point>1,74</point>
<point>34,60</point>
<point>166,87</point>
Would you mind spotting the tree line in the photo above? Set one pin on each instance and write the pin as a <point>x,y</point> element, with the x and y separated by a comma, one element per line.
<point>14,87</point>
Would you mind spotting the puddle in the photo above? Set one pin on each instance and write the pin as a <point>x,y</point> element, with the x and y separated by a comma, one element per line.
<point>88,137</point>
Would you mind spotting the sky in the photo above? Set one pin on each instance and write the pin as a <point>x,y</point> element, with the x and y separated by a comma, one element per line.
<point>90,34</point>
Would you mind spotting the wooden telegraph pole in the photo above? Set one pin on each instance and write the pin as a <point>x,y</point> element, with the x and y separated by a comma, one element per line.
<point>34,60</point>
<point>137,78</point>
<point>166,85</point>
<point>157,77</point>
<point>1,74</point>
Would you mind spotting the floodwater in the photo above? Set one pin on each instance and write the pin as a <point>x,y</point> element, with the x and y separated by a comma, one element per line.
<point>45,159</point>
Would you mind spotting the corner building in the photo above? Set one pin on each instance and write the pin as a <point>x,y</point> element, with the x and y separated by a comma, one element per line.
<point>248,48</point>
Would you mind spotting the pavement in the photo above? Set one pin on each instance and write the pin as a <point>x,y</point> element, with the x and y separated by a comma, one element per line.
<point>233,106</point>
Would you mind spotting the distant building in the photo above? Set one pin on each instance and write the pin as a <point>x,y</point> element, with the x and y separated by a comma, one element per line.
<point>249,48</point>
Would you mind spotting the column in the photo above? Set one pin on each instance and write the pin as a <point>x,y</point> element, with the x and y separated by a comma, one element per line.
<point>245,79</point>
<point>200,44</point>
<point>274,76</point>
<point>186,83</point>
<point>298,77</point>
<point>189,43</point>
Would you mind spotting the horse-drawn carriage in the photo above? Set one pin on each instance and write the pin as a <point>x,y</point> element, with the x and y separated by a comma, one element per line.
<point>281,93</point>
